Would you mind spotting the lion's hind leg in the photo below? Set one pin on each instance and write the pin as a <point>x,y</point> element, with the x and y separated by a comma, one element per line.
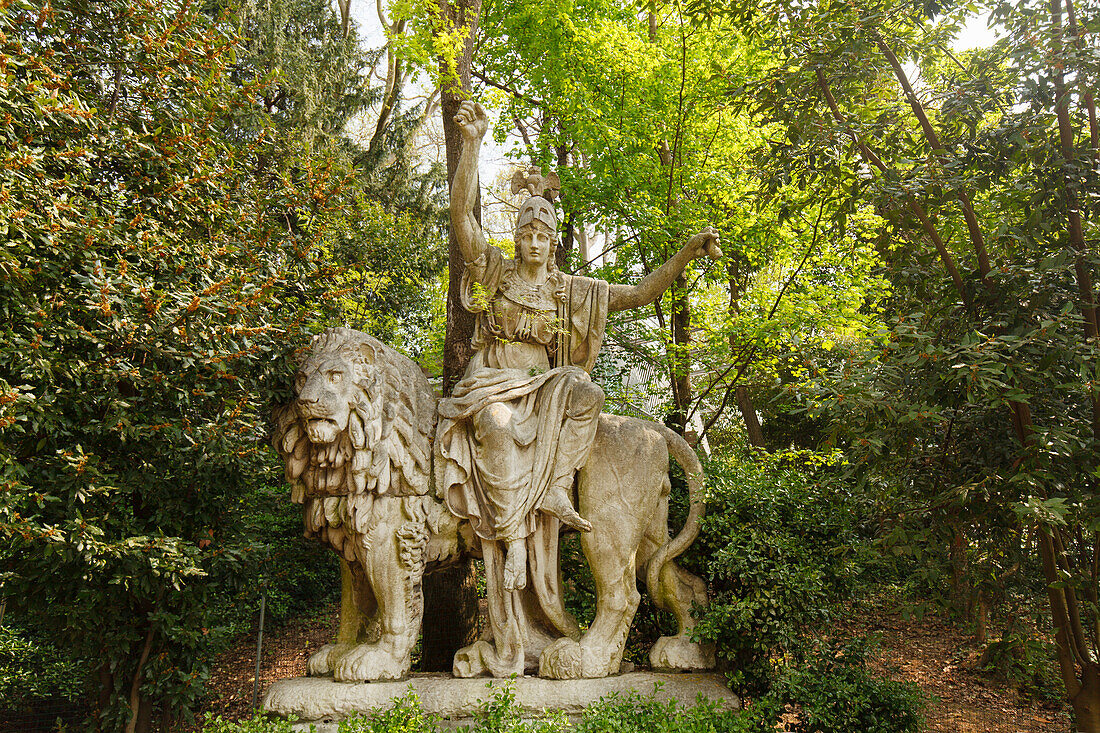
<point>677,591</point>
<point>618,491</point>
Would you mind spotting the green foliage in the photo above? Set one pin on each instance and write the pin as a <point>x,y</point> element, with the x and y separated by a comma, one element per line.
<point>783,542</point>
<point>256,724</point>
<point>834,692</point>
<point>166,250</point>
<point>632,713</point>
<point>974,413</point>
<point>1026,663</point>
<point>31,672</point>
<point>406,716</point>
<point>638,712</point>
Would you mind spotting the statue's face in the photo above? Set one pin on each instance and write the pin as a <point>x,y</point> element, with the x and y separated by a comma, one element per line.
<point>326,390</point>
<point>534,243</point>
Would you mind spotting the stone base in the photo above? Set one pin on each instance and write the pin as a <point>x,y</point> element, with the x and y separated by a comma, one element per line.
<point>321,702</point>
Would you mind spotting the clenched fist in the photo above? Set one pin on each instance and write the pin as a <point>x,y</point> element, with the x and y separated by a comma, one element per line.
<point>705,243</point>
<point>472,121</point>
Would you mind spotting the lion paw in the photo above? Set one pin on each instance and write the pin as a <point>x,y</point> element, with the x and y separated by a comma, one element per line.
<point>368,662</point>
<point>681,653</point>
<point>323,660</point>
<point>566,659</point>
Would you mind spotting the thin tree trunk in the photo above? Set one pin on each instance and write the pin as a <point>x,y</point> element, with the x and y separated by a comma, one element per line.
<point>1076,648</point>
<point>1081,267</point>
<point>981,619</point>
<point>973,228</point>
<point>960,585</point>
<point>450,611</point>
<point>462,18</point>
<point>104,688</point>
<point>136,700</point>
<point>753,430</point>
<point>922,216</point>
<point>565,246</point>
<point>681,362</point>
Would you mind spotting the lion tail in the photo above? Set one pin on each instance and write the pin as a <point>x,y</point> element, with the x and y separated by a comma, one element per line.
<point>683,454</point>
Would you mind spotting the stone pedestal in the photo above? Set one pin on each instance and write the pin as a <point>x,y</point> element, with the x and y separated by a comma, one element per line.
<point>322,702</point>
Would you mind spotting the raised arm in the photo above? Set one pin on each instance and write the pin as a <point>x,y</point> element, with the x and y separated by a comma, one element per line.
<point>472,122</point>
<point>650,287</point>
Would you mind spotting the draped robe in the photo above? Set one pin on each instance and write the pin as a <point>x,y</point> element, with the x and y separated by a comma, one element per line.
<point>513,344</point>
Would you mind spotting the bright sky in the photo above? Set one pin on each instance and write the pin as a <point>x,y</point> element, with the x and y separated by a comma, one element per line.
<point>975,34</point>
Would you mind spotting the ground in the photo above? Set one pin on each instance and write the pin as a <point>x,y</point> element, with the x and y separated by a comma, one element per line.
<point>929,651</point>
<point>943,660</point>
<point>286,650</point>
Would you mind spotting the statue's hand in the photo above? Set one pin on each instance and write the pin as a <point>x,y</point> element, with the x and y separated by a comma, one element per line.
<point>705,243</point>
<point>472,121</point>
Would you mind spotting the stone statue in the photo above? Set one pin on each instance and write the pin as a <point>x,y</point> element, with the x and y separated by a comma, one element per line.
<point>356,443</point>
<point>523,419</point>
<point>366,436</point>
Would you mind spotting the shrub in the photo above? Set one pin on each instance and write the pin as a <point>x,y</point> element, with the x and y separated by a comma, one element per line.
<point>834,692</point>
<point>255,724</point>
<point>32,671</point>
<point>1025,662</point>
<point>632,713</point>
<point>636,712</point>
<point>406,716</point>
<point>782,544</point>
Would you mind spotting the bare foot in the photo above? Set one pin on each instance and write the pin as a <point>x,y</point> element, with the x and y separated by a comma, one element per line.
<point>557,503</point>
<point>515,565</point>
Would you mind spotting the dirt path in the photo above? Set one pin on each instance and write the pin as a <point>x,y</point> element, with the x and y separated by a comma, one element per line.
<point>943,661</point>
<point>930,652</point>
<point>286,651</point>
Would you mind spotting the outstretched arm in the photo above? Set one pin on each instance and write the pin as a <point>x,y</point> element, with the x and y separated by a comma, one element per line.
<point>472,122</point>
<point>625,297</point>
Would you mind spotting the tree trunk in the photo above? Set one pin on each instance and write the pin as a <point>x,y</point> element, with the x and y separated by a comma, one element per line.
<point>450,606</point>
<point>452,621</point>
<point>1086,703</point>
<point>561,253</point>
<point>981,619</point>
<point>737,282</point>
<point>681,363</point>
<point>748,413</point>
<point>960,576</point>
<point>105,687</point>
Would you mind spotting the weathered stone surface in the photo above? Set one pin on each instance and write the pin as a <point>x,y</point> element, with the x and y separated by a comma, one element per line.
<point>679,652</point>
<point>509,445</point>
<point>393,529</point>
<point>319,700</point>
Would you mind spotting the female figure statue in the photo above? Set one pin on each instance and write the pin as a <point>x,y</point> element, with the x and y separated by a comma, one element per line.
<point>522,420</point>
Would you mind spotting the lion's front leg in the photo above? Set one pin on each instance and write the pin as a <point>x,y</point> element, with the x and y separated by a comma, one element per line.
<point>392,556</point>
<point>357,607</point>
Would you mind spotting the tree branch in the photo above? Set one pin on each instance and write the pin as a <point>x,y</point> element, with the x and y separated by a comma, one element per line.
<point>972,226</point>
<point>918,211</point>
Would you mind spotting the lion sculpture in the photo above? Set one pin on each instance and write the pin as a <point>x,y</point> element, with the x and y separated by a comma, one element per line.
<point>357,446</point>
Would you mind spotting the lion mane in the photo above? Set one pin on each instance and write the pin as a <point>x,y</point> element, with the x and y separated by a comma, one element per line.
<point>385,448</point>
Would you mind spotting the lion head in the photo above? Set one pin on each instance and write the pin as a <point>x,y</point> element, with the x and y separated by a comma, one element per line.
<point>362,421</point>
